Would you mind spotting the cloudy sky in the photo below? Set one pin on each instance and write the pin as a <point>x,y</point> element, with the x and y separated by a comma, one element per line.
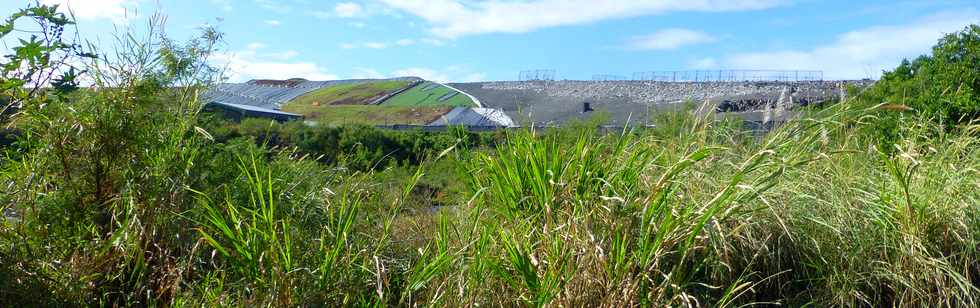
<point>470,40</point>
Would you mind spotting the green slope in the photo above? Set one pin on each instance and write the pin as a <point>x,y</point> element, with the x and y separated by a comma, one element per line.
<point>368,114</point>
<point>345,103</point>
<point>429,94</point>
<point>352,93</point>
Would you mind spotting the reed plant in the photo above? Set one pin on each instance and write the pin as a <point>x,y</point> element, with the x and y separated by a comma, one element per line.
<point>121,196</point>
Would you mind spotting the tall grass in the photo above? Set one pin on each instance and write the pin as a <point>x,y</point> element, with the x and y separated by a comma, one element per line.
<point>254,238</point>
<point>123,199</point>
<point>813,213</point>
<point>803,215</point>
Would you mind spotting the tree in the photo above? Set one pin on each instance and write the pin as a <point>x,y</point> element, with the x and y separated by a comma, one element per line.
<point>944,85</point>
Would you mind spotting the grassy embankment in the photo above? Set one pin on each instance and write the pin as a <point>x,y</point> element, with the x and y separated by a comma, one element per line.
<point>368,115</point>
<point>359,93</point>
<point>345,105</point>
<point>428,94</point>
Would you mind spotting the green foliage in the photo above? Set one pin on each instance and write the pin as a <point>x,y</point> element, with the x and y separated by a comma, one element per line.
<point>944,85</point>
<point>528,173</point>
<point>122,194</point>
<point>102,173</point>
<point>339,115</point>
<point>40,58</point>
<point>253,236</point>
<point>419,96</point>
<point>359,148</point>
<point>358,93</point>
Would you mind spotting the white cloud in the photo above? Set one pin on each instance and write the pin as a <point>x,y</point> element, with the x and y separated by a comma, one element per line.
<point>703,64</point>
<point>119,11</point>
<point>424,73</point>
<point>670,39</point>
<point>382,45</point>
<point>434,42</point>
<point>367,73</point>
<point>283,56</point>
<point>274,5</point>
<point>863,53</point>
<point>448,74</point>
<point>359,25</point>
<point>255,46</point>
<point>253,64</point>
<point>273,23</point>
<point>225,5</point>
<point>348,10</point>
<point>321,14</point>
<point>375,45</point>
<point>475,77</point>
<point>456,18</point>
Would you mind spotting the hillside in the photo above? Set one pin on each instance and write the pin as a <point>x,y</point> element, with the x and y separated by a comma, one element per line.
<point>405,100</point>
<point>408,100</point>
<point>368,114</point>
<point>430,94</point>
<point>353,93</point>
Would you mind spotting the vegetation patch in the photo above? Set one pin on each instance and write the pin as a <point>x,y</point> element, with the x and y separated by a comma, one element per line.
<point>351,93</point>
<point>430,94</point>
<point>944,85</point>
<point>368,115</point>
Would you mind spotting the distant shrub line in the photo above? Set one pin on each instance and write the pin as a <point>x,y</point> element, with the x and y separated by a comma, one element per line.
<point>359,147</point>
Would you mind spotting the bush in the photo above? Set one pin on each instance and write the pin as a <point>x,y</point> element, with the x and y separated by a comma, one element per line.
<point>944,85</point>
<point>105,170</point>
<point>358,147</point>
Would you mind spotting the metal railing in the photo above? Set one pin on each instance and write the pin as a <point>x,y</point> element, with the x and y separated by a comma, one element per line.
<point>729,75</point>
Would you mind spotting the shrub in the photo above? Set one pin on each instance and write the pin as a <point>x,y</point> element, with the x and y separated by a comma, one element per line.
<point>944,85</point>
<point>357,147</point>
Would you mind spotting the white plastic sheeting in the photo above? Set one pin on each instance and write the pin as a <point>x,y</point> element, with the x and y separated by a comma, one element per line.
<point>468,116</point>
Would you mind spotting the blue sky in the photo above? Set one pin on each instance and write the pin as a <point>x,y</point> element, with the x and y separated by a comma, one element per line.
<point>470,40</point>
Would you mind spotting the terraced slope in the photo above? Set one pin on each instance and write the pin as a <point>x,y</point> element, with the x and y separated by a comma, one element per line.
<point>360,93</point>
<point>368,114</point>
<point>269,94</point>
<point>406,100</point>
<point>430,94</point>
<point>353,103</point>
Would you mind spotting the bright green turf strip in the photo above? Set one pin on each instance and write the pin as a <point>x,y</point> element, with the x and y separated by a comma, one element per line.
<point>352,93</point>
<point>417,97</point>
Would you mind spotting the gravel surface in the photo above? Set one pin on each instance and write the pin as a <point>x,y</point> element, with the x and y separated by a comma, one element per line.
<point>636,101</point>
